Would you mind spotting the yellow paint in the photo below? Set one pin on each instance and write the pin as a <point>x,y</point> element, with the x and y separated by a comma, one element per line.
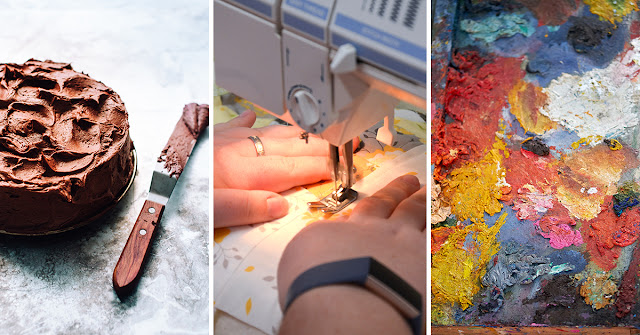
<point>522,97</point>
<point>593,167</point>
<point>249,268</point>
<point>586,141</point>
<point>442,315</point>
<point>598,289</point>
<point>458,267</point>
<point>580,205</point>
<point>611,10</point>
<point>476,187</point>
<point>247,306</point>
<point>220,233</point>
<point>615,145</point>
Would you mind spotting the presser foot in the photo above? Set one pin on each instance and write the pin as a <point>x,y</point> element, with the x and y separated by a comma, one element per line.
<point>335,201</point>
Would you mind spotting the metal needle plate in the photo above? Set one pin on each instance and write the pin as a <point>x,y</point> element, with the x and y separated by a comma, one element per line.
<point>335,201</point>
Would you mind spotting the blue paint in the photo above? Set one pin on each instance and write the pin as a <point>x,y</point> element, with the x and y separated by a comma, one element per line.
<point>488,28</point>
<point>561,140</point>
<point>557,56</point>
<point>505,43</point>
<point>567,255</point>
<point>621,203</point>
<point>548,51</point>
<point>522,232</point>
<point>513,126</point>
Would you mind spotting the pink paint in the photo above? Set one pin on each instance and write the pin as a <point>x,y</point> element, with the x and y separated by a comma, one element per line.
<point>530,204</point>
<point>559,233</point>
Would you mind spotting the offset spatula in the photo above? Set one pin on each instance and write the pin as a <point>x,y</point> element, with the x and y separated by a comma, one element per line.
<point>171,162</point>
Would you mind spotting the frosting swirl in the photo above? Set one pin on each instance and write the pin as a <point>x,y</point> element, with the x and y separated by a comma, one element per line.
<point>58,128</point>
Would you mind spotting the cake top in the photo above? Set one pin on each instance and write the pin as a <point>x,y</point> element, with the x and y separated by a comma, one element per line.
<point>56,125</point>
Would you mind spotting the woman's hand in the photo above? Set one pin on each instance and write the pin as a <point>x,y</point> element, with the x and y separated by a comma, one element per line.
<point>389,226</point>
<point>245,183</point>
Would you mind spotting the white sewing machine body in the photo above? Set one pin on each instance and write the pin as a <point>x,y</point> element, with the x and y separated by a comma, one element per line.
<point>334,68</point>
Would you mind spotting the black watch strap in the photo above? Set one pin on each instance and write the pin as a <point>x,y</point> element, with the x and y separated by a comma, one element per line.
<point>368,273</point>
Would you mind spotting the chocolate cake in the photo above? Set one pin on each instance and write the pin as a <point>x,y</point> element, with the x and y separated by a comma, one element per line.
<point>65,151</point>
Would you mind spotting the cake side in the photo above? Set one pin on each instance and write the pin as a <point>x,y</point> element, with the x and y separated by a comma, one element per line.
<point>65,151</point>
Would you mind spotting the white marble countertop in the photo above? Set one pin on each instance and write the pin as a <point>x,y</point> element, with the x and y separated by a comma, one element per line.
<point>155,55</point>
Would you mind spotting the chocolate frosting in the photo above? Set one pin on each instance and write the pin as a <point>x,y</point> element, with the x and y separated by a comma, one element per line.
<point>194,120</point>
<point>64,137</point>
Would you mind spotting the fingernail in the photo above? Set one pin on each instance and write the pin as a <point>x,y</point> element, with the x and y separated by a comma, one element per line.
<point>277,207</point>
<point>410,179</point>
<point>245,113</point>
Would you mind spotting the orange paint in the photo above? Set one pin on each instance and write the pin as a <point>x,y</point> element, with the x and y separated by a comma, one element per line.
<point>477,92</point>
<point>607,233</point>
<point>525,100</point>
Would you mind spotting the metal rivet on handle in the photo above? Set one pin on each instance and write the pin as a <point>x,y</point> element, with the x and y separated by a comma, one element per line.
<point>143,232</point>
<point>152,210</point>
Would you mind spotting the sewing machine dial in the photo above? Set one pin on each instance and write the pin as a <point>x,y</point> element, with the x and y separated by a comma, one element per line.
<point>304,109</point>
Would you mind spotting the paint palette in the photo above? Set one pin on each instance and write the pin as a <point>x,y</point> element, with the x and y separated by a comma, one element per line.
<point>535,138</point>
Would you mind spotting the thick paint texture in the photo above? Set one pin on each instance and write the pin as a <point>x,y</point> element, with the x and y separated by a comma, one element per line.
<point>493,27</point>
<point>477,187</point>
<point>551,12</point>
<point>608,232</point>
<point>611,10</point>
<point>525,99</point>
<point>598,290</point>
<point>535,149</point>
<point>588,176</point>
<point>475,97</point>
<point>459,265</point>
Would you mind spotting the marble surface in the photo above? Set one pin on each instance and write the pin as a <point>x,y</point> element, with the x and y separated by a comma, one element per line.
<point>155,54</point>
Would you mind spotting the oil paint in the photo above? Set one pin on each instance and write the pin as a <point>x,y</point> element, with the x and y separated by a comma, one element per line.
<point>535,131</point>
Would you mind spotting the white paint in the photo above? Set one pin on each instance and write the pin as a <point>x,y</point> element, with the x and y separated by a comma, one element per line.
<point>599,103</point>
<point>592,190</point>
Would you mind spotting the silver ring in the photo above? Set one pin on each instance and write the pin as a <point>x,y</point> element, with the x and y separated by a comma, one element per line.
<point>258,144</point>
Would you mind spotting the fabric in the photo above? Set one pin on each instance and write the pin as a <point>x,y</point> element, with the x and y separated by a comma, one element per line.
<point>246,258</point>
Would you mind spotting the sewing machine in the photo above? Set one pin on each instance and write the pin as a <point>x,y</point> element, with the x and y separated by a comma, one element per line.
<point>333,68</point>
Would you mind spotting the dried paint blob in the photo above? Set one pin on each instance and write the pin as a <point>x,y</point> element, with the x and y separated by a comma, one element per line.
<point>493,27</point>
<point>598,290</point>
<point>588,32</point>
<point>477,187</point>
<point>459,265</point>
<point>538,126</point>
<point>611,10</point>
<point>599,103</point>
<point>536,145</point>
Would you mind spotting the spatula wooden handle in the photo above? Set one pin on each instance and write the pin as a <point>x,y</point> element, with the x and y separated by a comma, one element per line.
<point>129,267</point>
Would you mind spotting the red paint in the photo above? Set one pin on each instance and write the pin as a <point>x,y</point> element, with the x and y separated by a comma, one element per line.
<point>524,167</point>
<point>477,92</point>
<point>438,237</point>
<point>634,30</point>
<point>551,12</point>
<point>627,291</point>
<point>606,233</point>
